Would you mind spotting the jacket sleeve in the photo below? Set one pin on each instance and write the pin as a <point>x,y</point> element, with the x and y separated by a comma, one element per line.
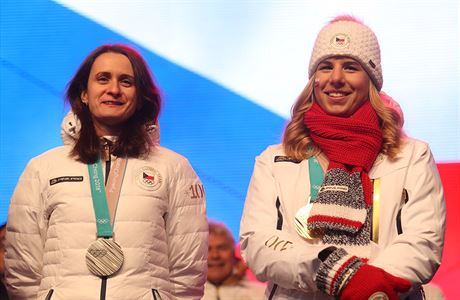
<point>187,230</point>
<point>272,253</point>
<point>24,243</point>
<point>415,254</point>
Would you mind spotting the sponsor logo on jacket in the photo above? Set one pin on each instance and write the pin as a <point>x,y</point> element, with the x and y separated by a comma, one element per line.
<point>282,158</point>
<point>57,180</point>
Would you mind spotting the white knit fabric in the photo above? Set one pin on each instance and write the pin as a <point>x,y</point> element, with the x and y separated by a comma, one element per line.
<point>352,39</point>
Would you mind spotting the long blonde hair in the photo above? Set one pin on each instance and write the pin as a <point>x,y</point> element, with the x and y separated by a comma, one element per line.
<point>298,145</point>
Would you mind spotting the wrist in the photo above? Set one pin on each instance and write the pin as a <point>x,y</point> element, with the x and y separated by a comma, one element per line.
<point>335,271</point>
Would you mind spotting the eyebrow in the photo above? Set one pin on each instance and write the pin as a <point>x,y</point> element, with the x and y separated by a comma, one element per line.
<point>346,62</point>
<point>106,73</point>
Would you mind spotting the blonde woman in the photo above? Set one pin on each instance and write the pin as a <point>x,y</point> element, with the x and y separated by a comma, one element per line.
<point>347,207</point>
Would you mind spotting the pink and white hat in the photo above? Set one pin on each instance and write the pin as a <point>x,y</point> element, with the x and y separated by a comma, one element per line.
<point>347,36</point>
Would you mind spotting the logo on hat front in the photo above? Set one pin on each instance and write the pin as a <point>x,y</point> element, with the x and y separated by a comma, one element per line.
<point>149,178</point>
<point>340,40</point>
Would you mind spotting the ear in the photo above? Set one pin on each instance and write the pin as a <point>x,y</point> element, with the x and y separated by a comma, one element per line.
<point>84,97</point>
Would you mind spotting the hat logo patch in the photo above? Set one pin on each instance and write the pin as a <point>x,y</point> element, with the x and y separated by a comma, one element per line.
<point>149,178</point>
<point>340,40</point>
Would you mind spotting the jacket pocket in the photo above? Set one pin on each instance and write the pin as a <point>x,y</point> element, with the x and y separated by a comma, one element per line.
<point>404,199</point>
<point>156,294</point>
<point>50,293</point>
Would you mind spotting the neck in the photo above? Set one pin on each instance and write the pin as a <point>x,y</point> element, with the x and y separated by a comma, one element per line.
<point>103,130</point>
<point>230,280</point>
<point>323,161</point>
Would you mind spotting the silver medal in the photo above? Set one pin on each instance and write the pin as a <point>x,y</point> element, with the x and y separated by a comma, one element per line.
<point>104,257</point>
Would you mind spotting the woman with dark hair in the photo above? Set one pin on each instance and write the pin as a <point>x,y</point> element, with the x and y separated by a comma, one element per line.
<point>111,214</point>
<point>3,293</point>
<point>348,207</point>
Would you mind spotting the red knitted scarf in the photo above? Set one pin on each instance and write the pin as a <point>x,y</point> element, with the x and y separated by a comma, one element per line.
<point>352,145</point>
<point>355,141</point>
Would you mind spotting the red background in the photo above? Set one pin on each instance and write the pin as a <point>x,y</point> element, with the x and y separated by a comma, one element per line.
<point>448,274</point>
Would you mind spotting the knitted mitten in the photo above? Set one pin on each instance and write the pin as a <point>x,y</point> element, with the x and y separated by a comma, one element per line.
<point>340,205</point>
<point>348,277</point>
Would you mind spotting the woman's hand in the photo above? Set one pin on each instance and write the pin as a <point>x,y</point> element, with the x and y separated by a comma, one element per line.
<point>369,282</point>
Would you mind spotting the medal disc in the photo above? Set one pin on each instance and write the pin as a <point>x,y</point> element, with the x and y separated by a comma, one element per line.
<point>379,296</point>
<point>301,222</point>
<point>104,257</point>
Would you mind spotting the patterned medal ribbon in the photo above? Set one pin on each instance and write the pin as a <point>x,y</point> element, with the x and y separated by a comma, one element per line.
<point>104,256</point>
<point>316,175</point>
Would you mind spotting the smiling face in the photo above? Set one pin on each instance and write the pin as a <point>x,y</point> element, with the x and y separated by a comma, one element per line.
<point>220,258</point>
<point>341,86</point>
<point>110,93</point>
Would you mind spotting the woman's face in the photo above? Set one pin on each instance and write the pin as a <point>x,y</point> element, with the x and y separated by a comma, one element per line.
<point>341,86</point>
<point>111,92</point>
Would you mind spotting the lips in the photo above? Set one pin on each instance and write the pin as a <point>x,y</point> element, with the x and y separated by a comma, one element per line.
<point>337,94</point>
<point>112,102</point>
<point>215,264</point>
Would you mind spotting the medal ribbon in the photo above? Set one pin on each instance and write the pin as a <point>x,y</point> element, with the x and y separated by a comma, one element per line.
<point>102,201</point>
<point>316,177</point>
<point>376,211</point>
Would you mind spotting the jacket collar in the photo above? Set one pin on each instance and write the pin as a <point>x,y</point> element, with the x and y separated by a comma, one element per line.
<point>383,165</point>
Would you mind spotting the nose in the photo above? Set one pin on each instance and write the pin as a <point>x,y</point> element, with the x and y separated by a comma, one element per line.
<point>337,77</point>
<point>213,253</point>
<point>114,88</point>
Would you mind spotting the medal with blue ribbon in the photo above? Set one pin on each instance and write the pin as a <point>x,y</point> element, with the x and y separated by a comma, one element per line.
<point>104,256</point>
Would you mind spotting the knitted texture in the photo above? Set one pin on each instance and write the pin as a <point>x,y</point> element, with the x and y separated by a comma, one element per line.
<point>348,277</point>
<point>336,271</point>
<point>353,141</point>
<point>349,38</point>
<point>342,209</point>
<point>342,216</point>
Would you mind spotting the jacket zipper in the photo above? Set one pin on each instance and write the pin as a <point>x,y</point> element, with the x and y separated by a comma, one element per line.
<point>107,172</point>
<point>404,199</point>
<point>156,294</point>
<point>108,161</point>
<point>50,293</point>
<point>279,226</point>
<point>103,287</point>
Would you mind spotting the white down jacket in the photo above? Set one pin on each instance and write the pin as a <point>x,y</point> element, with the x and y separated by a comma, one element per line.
<point>160,225</point>
<point>411,231</point>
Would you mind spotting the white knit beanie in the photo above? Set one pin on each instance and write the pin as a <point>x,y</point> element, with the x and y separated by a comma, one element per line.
<point>348,37</point>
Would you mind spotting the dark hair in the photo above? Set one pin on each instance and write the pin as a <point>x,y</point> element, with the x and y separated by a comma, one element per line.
<point>133,140</point>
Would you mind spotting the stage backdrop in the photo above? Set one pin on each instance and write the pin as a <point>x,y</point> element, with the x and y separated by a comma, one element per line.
<point>229,72</point>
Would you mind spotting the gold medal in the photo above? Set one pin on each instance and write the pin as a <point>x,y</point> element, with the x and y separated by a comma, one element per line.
<point>301,222</point>
<point>104,257</point>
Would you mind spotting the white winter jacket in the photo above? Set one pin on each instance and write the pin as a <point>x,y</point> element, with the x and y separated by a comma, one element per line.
<point>243,290</point>
<point>275,253</point>
<point>160,225</point>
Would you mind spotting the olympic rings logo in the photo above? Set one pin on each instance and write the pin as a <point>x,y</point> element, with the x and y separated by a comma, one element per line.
<point>98,252</point>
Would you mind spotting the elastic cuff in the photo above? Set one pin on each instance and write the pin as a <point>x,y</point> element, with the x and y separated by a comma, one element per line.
<point>335,272</point>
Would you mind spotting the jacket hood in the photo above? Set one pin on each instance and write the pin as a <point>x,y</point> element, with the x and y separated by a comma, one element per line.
<point>71,126</point>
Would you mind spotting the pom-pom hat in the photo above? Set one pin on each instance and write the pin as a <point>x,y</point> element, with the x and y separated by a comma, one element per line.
<point>346,36</point>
